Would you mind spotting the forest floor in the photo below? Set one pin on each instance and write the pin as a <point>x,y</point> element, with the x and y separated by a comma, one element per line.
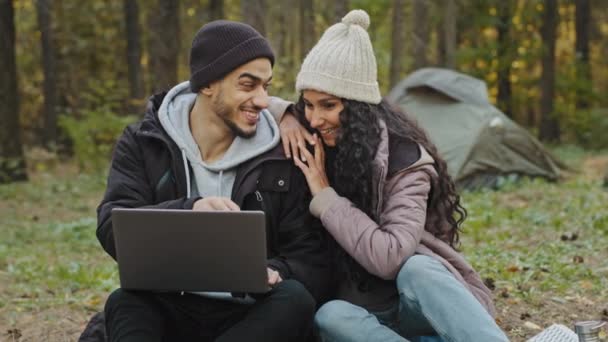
<point>543,248</point>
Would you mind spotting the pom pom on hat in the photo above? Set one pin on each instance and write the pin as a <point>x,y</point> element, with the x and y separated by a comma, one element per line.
<point>357,17</point>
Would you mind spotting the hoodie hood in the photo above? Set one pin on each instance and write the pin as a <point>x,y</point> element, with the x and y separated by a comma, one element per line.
<point>217,178</point>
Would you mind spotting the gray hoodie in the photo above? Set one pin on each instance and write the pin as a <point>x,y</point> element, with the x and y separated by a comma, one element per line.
<point>217,178</point>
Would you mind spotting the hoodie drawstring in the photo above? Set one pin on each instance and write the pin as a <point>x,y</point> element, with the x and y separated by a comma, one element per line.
<point>187,172</point>
<point>219,186</point>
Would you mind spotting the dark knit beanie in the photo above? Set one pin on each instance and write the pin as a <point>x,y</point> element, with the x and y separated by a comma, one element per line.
<point>222,46</point>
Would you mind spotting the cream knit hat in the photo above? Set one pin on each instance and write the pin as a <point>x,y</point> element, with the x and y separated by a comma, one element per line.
<point>343,62</point>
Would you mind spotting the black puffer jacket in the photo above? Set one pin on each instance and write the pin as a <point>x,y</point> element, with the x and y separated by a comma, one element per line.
<point>148,171</point>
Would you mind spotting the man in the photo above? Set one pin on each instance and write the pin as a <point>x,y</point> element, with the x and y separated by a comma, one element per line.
<point>210,144</point>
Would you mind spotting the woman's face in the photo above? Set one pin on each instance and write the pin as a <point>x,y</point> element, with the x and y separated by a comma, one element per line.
<point>322,111</point>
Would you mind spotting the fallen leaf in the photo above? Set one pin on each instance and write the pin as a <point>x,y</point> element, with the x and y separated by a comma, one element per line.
<point>525,316</point>
<point>490,283</point>
<point>15,333</point>
<point>512,268</point>
<point>532,326</point>
<point>577,259</point>
<point>558,300</point>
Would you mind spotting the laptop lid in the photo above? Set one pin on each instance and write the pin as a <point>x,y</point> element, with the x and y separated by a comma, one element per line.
<point>185,250</point>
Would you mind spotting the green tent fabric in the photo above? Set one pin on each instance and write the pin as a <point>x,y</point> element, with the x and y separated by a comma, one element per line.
<point>480,144</point>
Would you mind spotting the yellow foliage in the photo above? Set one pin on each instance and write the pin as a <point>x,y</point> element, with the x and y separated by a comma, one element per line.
<point>191,12</point>
<point>533,92</point>
<point>490,33</point>
<point>514,78</point>
<point>27,5</point>
<point>493,11</point>
<point>521,50</point>
<point>491,77</point>
<point>481,64</point>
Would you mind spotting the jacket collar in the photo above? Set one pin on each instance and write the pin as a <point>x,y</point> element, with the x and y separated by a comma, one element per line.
<point>399,155</point>
<point>392,158</point>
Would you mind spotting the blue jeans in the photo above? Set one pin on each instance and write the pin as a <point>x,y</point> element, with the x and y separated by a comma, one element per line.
<point>431,302</point>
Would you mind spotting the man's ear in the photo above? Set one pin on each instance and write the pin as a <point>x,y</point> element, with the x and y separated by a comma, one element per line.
<point>207,90</point>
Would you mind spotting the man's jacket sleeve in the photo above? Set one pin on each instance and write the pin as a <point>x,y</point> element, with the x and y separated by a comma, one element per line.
<point>128,187</point>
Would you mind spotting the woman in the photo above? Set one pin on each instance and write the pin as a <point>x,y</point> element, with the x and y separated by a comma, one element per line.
<point>386,199</point>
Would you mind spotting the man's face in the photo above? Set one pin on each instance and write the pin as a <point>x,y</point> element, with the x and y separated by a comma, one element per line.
<point>240,96</point>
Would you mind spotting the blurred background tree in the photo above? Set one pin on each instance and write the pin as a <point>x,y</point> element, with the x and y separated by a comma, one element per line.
<point>12,161</point>
<point>78,61</point>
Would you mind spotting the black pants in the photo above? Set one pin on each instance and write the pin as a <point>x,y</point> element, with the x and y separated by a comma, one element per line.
<point>283,314</point>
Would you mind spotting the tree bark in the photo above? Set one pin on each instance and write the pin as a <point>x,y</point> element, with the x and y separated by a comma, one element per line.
<point>549,125</point>
<point>253,14</point>
<point>136,86</point>
<point>12,161</point>
<point>504,57</point>
<point>307,27</point>
<point>280,36</point>
<point>340,10</point>
<point>420,31</point>
<point>49,67</point>
<point>397,43</point>
<point>450,33</point>
<point>216,9</point>
<point>164,50</point>
<point>583,67</point>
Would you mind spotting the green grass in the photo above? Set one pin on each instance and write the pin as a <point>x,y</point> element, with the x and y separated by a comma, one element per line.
<point>527,237</point>
<point>49,254</point>
<point>539,243</point>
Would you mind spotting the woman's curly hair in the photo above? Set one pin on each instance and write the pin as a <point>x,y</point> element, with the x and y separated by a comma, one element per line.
<point>349,166</point>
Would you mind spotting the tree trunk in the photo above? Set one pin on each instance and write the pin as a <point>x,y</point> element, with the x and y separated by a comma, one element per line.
<point>583,68</point>
<point>340,10</point>
<point>136,89</point>
<point>307,27</point>
<point>253,14</point>
<point>280,36</point>
<point>397,43</point>
<point>549,125</point>
<point>420,31</point>
<point>12,161</point>
<point>449,34</point>
<point>504,57</point>
<point>49,67</point>
<point>216,9</point>
<point>164,50</point>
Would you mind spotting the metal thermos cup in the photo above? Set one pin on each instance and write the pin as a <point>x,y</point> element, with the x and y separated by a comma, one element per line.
<point>588,331</point>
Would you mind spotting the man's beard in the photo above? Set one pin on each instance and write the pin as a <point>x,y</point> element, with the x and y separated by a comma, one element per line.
<point>224,112</point>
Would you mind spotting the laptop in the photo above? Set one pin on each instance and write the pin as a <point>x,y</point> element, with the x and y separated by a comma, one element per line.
<point>185,250</point>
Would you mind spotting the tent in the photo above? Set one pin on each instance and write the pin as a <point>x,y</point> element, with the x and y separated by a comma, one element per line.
<point>480,144</point>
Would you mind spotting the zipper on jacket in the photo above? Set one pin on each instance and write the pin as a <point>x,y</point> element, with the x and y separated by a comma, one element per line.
<point>260,199</point>
<point>174,156</point>
<point>272,238</point>
<point>380,194</point>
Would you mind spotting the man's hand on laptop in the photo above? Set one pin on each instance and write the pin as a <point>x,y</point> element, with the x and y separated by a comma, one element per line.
<point>274,278</point>
<point>215,203</point>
